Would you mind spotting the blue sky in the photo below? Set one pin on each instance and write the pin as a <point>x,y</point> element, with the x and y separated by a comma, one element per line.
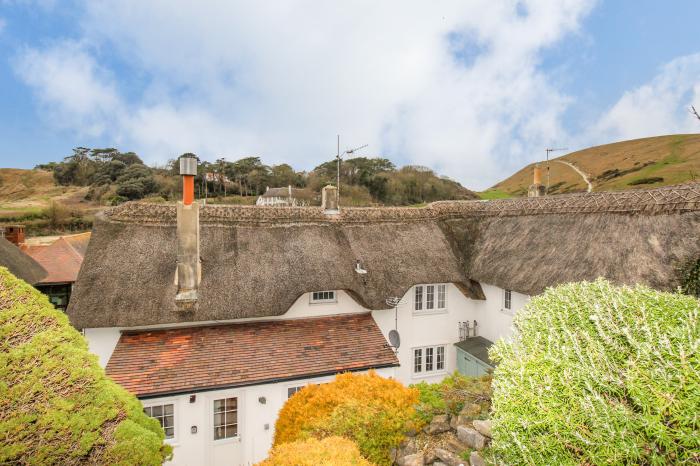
<point>473,89</point>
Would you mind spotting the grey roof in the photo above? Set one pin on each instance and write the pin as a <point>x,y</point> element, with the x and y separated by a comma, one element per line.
<point>20,264</point>
<point>477,347</point>
<point>256,261</point>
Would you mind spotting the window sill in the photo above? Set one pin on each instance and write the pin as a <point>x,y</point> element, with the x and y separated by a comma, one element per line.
<point>425,375</point>
<point>508,312</point>
<point>430,312</point>
<point>335,301</point>
<point>223,441</point>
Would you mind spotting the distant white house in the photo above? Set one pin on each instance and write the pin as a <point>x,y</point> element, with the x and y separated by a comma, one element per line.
<point>284,197</point>
<point>267,301</point>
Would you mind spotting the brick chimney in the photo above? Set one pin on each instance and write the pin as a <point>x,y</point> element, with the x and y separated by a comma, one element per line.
<point>13,233</point>
<point>189,272</point>
<point>536,189</point>
<point>329,200</point>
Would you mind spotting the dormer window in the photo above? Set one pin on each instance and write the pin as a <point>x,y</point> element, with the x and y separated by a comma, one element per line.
<point>318,297</point>
<point>428,298</point>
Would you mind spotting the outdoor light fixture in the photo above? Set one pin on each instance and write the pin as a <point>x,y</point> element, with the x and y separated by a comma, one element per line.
<point>193,398</point>
<point>262,400</point>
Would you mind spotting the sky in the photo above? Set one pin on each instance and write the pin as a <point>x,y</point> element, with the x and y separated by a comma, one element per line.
<point>473,89</point>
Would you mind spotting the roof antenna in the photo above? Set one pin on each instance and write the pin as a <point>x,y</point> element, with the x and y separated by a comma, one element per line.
<point>338,158</point>
<point>548,150</point>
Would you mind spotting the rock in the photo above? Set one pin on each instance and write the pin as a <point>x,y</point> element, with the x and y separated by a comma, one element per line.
<point>406,447</point>
<point>438,463</point>
<point>430,457</point>
<point>449,458</point>
<point>415,459</point>
<point>475,459</point>
<point>455,445</point>
<point>411,433</point>
<point>439,424</point>
<point>484,427</point>
<point>471,437</point>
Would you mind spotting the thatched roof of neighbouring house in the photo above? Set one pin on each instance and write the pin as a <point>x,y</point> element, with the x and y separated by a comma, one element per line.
<point>19,264</point>
<point>257,261</point>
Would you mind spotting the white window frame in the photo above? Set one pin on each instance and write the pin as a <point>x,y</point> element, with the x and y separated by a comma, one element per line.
<point>212,413</point>
<point>314,300</point>
<point>152,403</point>
<point>296,388</point>
<point>428,356</point>
<point>430,294</point>
<point>507,301</point>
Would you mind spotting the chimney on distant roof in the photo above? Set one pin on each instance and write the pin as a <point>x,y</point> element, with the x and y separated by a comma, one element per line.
<point>13,233</point>
<point>536,189</point>
<point>188,264</point>
<point>289,188</point>
<point>329,200</point>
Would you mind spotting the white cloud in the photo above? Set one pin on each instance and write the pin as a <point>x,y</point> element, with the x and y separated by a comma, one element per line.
<point>3,23</point>
<point>280,79</point>
<point>657,107</point>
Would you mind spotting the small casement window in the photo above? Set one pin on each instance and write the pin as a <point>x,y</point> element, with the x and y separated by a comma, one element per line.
<point>507,299</point>
<point>323,297</point>
<point>165,414</point>
<point>428,359</point>
<point>225,418</point>
<point>292,390</point>
<point>430,297</point>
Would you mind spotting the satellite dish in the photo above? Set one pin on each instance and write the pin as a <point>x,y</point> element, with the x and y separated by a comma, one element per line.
<point>394,338</point>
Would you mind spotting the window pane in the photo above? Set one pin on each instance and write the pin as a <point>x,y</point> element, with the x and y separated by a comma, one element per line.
<point>419,298</point>
<point>219,433</point>
<point>417,360</point>
<point>441,296</point>
<point>506,299</point>
<point>218,419</point>
<point>168,409</point>
<point>231,430</point>
<point>428,359</point>
<point>231,403</point>
<point>147,411</point>
<point>218,405</point>
<point>157,411</point>
<point>168,421</point>
<point>440,358</point>
<point>430,297</point>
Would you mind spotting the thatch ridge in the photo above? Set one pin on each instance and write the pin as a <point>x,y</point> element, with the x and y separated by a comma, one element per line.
<point>19,263</point>
<point>256,261</point>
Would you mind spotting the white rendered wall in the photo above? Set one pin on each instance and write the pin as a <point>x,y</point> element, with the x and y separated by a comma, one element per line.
<point>256,423</point>
<point>102,341</point>
<point>494,321</point>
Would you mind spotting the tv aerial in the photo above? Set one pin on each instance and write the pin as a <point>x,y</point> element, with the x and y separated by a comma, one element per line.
<point>549,150</point>
<point>338,159</point>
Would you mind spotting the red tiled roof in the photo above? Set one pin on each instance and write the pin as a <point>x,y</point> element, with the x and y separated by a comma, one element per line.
<point>60,259</point>
<point>217,356</point>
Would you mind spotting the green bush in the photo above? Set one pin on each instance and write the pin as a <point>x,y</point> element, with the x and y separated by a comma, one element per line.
<point>599,374</point>
<point>451,394</point>
<point>56,404</point>
<point>372,411</point>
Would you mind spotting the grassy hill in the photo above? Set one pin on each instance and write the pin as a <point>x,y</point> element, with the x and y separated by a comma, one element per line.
<point>639,163</point>
<point>31,197</point>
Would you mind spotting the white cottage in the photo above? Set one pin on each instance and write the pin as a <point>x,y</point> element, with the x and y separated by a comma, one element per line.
<point>214,316</point>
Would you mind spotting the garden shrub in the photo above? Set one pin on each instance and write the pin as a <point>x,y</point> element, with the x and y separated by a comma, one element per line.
<point>57,406</point>
<point>599,374</point>
<point>330,451</point>
<point>371,410</point>
<point>451,394</point>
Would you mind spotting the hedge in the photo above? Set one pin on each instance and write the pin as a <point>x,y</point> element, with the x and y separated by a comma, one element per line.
<point>371,410</point>
<point>57,406</point>
<point>599,374</point>
<point>330,451</point>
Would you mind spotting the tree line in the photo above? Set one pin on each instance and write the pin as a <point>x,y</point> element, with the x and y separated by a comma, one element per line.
<point>114,177</point>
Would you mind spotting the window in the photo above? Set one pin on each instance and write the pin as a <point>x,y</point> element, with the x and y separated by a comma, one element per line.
<point>165,414</point>
<point>507,299</point>
<point>292,390</point>
<point>428,359</point>
<point>323,297</point>
<point>430,297</point>
<point>419,298</point>
<point>418,360</point>
<point>225,418</point>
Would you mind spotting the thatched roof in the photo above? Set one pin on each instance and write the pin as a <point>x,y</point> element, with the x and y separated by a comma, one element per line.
<point>19,264</point>
<point>257,261</point>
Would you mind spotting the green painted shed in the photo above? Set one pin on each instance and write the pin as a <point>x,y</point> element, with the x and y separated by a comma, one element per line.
<point>473,356</point>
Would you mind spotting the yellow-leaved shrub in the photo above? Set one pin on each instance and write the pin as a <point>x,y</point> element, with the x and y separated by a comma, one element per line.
<point>371,410</point>
<point>330,451</point>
